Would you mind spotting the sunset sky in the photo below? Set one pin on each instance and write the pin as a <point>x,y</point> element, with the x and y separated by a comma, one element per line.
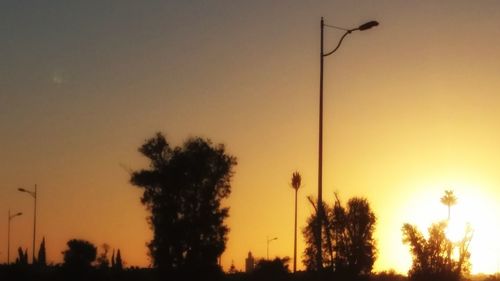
<point>411,109</point>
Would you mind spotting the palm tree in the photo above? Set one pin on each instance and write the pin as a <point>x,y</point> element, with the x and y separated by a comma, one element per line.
<point>296,181</point>
<point>449,199</point>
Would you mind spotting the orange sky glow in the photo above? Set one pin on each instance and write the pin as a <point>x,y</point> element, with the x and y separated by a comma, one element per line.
<point>411,109</point>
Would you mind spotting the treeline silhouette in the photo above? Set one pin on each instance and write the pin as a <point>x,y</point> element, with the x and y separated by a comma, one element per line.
<point>80,263</point>
<point>183,189</point>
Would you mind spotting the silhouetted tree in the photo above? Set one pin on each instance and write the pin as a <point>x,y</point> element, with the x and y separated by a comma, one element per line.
<point>296,181</point>
<point>493,277</point>
<point>311,238</point>
<point>271,270</point>
<point>79,255</point>
<point>25,258</point>
<point>118,261</point>
<point>113,259</point>
<point>42,256</point>
<point>449,200</point>
<point>22,258</point>
<point>183,189</point>
<point>102,259</point>
<point>352,232</point>
<point>348,246</point>
<point>390,275</point>
<point>434,258</point>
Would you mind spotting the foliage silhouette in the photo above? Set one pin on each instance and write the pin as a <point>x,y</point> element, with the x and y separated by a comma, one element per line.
<point>118,261</point>
<point>42,256</point>
<point>449,199</point>
<point>79,256</point>
<point>389,275</point>
<point>354,244</point>
<point>311,238</point>
<point>494,277</point>
<point>59,273</point>
<point>348,246</point>
<point>296,181</point>
<point>22,258</point>
<point>271,270</point>
<point>183,188</point>
<point>434,258</point>
<point>102,260</point>
<point>113,259</point>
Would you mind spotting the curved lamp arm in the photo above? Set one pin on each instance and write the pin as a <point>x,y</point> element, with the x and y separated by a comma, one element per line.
<point>340,42</point>
<point>362,27</point>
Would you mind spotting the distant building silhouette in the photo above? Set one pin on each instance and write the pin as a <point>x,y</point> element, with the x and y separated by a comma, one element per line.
<point>249,263</point>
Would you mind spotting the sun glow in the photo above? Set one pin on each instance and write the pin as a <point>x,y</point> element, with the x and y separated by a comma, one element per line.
<point>478,211</point>
<point>473,208</point>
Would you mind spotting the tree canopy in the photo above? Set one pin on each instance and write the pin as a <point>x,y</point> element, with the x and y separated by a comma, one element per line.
<point>437,258</point>
<point>102,258</point>
<point>79,255</point>
<point>271,270</point>
<point>348,246</point>
<point>296,180</point>
<point>183,189</point>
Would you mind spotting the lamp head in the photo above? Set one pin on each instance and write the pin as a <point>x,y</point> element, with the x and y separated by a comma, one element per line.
<point>22,189</point>
<point>19,214</point>
<point>368,25</point>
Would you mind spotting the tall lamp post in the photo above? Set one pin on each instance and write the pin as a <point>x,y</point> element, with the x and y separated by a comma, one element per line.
<point>34,195</point>
<point>362,27</point>
<point>269,241</point>
<point>8,234</point>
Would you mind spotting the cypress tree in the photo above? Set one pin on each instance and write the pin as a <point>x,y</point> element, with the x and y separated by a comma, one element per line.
<point>42,256</point>
<point>113,259</point>
<point>118,261</point>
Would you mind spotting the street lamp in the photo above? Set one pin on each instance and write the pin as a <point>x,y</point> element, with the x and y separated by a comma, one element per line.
<point>8,234</point>
<point>269,241</point>
<point>362,27</point>
<point>34,195</point>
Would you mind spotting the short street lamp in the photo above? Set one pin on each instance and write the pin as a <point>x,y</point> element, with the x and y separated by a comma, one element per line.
<point>34,195</point>
<point>11,217</point>
<point>269,241</point>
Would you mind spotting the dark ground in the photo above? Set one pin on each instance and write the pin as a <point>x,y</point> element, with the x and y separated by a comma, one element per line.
<point>57,273</point>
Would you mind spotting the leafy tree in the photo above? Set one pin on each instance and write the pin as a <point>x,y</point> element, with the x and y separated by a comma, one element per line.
<point>449,199</point>
<point>102,259</point>
<point>183,188</point>
<point>271,270</point>
<point>296,181</point>
<point>311,238</point>
<point>79,255</point>
<point>42,256</point>
<point>434,258</point>
<point>348,246</point>
<point>352,232</point>
<point>493,277</point>
<point>390,275</point>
